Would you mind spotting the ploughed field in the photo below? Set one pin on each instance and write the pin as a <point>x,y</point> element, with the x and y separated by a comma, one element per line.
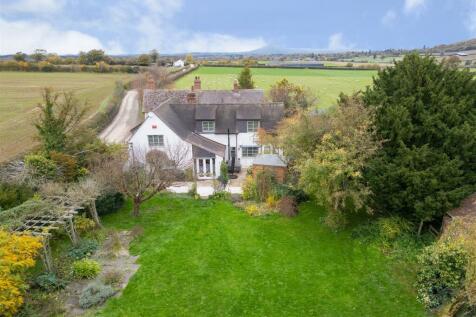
<point>327,84</point>
<point>208,258</point>
<point>20,92</point>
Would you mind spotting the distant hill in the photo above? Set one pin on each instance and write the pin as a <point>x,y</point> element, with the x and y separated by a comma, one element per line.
<point>456,47</point>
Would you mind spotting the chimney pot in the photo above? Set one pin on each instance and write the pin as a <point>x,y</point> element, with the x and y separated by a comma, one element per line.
<point>197,84</point>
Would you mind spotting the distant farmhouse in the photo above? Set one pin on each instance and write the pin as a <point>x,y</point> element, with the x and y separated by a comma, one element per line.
<point>179,63</point>
<point>211,125</point>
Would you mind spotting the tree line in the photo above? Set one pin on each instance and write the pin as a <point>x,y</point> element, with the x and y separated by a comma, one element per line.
<point>95,60</point>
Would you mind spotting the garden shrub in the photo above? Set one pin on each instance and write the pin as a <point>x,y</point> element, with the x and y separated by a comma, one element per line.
<point>12,195</point>
<point>335,220</point>
<point>441,273</point>
<point>67,165</point>
<point>287,206</point>
<point>109,202</point>
<point>265,182</point>
<point>220,195</point>
<point>281,190</point>
<point>193,190</point>
<point>49,282</point>
<point>223,178</point>
<point>249,188</point>
<point>86,269</point>
<point>41,167</point>
<point>17,254</point>
<point>252,210</point>
<point>95,294</point>
<point>271,201</point>
<point>113,278</point>
<point>84,249</point>
<point>83,224</point>
<point>390,228</point>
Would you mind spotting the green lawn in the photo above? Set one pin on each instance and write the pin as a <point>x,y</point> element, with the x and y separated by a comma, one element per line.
<point>207,258</point>
<point>20,92</point>
<point>327,84</point>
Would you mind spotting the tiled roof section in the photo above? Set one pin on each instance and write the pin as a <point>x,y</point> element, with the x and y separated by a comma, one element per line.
<point>179,125</point>
<point>248,112</point>
<point>153,98</point>
<point>206,112</point>
<point>226,115</point>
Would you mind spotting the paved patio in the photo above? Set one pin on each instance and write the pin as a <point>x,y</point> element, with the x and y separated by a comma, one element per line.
<point>205,188</point>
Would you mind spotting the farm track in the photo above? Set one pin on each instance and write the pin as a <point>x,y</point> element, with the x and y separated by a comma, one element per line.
<point>127,118</point>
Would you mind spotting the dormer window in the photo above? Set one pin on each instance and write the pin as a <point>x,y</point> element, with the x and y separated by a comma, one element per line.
<point>252,126</point>
<point>208,126</point>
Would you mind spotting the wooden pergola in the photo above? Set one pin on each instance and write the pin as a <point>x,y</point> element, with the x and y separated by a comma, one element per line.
<point>43,225</point>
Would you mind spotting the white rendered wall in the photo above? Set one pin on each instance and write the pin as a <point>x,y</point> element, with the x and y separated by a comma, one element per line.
<point>244,139</point>
<point>154,126</point>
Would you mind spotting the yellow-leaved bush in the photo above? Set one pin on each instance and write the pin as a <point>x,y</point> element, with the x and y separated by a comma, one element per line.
<point>17,253</point>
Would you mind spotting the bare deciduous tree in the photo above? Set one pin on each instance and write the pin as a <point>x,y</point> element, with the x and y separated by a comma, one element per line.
<point>143,175</point>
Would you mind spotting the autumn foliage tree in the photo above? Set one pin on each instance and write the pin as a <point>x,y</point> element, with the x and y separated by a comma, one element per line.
<point>17,253</point>
<point>333,173</point>
<point>293,96</point>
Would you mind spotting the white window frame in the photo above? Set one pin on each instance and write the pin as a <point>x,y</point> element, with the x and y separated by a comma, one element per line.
<point>252,125</point>
<point>267,149</point>
<point>156,140</point>
<point>245,151</point>
<point>208,126</point>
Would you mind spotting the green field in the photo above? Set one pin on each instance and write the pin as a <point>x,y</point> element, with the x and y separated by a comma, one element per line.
<point>20,92</point>
<point>208,258</point>
<point>327,84</point>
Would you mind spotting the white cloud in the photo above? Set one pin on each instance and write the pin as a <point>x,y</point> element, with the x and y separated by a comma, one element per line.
<point>142,25</point>
<point>412,6</point>
<point>39,7</point>
<point>471,19</point>
<point>26,36</point>
<point>337,43</point>
<point>155,29</point>
<point>211,42</point>
<point>389,18</point>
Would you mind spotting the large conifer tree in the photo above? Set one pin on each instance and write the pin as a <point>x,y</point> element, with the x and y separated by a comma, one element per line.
<point>426,115</point>
<point>245,80</point>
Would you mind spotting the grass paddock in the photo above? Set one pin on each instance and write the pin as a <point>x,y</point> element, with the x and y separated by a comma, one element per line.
<point>327,84</point>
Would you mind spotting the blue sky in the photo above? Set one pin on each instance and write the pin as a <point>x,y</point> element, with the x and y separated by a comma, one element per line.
<point>172,26</point>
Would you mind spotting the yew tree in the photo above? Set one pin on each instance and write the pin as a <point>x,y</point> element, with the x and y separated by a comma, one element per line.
<point>425,112</point>
<point>245,80</point>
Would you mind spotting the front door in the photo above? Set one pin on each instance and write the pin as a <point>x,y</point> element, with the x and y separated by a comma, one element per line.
<point>205,168</point>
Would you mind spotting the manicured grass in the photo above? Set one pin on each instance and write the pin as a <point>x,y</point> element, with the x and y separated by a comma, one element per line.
<point>20,92</point>
<point>327,84</point>
<point>207,258</point>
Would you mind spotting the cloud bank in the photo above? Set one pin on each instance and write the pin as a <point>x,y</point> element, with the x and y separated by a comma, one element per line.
<point>139,25</point>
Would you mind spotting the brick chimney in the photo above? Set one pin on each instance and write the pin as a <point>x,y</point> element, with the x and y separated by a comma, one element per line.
<point>192,96</point>
<point>197,83</point>
<point>236,86</point>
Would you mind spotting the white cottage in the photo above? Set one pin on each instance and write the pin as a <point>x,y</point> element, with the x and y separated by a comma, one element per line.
<point>209,125</point>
